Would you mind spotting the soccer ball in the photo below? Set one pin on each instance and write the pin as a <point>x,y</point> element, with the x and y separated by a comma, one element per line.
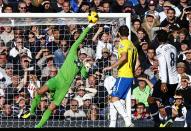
<point>93,17</point>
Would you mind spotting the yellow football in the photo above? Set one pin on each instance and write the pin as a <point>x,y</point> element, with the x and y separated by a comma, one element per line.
<point>93,17</point>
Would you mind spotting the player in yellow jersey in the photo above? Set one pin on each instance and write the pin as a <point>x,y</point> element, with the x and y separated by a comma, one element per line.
<point>128,62</point>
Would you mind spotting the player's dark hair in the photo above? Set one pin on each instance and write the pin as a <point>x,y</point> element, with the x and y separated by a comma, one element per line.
<point>162,36</point>
<point>124,31</point>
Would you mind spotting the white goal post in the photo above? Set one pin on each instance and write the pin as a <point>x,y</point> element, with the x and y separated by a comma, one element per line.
<point>30,19</point>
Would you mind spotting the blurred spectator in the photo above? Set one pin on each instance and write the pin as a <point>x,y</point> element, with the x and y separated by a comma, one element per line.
<point>91,88</point>
<point>184,47</point>
<point>49,64</point>
<point>32,44</point>
<point>7,35</point>
<point>159,6</point>
<point>18,33</point>
<point>7,111</point>
<point>174,11</point>
<point>11,91</point>
<point>32,83</point>
<point>127,8</point>
<point>104,61</point>
<point>47,7</point>
<point>22,106</point>
<point>150,58</point>
<point>54,45</point>
<point>64,105</point>
<point>181,111</point>
<point>93,113</point>
<point>42,56</point>
<point>84,7</point>
<point>96,4</point>
<point>74,111</point>
<point>143,51</point>
<point>117,5</point>
<point>102,42</point>
<point>106,6</point>
<point>185,90</point>
<point>188,62</point>
<point>9,73</point>
<point>143,91</point>
<point>57,5</point>
<point>60,54</point>
<point>149,22</point>
<point>75,5</point>
<point>22,7</point>
<point>66,7</point>
<point>2,99</point>
<point>165,116</point>
<point>141,36</point>
<point>42,106</point>
<point>152,72</point>
<point>171,20</point>
<point>136,24</point>
<point>3,54</point>
<point>19,50</point>
<point>181,69</point>
<point>87,102</point>
<point>152,9</point>
<point>140,112</point>
<point>7,9</point>
<point>80,92</point>
<point>141,8</point>
<point>183,4</point>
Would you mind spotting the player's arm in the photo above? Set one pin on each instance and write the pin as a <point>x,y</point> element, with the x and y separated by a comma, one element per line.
<point>82,37</point>
<point>84,72</point>
<point>137,64</point>
<point>162,68</point>
<point>123,49</point>
<point>162,71</point>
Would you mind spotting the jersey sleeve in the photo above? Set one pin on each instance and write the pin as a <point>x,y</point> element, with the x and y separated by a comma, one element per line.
<point>80,39</point>
<point>162,66</point>
<point>84,72</point>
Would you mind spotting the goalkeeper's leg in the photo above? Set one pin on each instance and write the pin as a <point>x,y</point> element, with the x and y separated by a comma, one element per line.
<point>46,115</point>
<point>36,101</point>
<point>58,97</point>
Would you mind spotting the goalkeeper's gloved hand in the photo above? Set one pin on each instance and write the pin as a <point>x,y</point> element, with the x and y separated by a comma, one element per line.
<point>92,18</point>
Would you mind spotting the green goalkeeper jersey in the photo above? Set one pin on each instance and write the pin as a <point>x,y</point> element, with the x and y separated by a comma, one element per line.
<point>71,67</point>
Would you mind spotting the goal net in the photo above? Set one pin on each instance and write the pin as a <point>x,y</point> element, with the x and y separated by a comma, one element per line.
<point>32,49</point>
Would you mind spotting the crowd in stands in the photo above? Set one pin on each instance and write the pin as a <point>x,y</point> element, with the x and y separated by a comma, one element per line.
<point>30,56</point>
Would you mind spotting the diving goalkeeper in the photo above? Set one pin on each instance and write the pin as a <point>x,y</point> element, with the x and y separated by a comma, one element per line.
<point>61,83</point>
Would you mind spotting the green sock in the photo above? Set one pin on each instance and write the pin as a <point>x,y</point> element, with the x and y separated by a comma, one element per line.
<point>44,119</point>
<point>35,103</point>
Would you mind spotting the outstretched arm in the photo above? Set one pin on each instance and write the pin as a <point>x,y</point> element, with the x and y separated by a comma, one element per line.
<point>82,37</point>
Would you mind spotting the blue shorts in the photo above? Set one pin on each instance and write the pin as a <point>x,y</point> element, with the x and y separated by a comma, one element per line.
<point>121,87</point>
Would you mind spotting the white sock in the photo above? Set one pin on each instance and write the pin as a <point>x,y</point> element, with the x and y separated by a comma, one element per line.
<point>113,115</point>
<point>122,111</point>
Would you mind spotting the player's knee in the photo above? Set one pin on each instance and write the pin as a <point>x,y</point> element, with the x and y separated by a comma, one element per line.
<point>40,92</point>
<point>114,99</point>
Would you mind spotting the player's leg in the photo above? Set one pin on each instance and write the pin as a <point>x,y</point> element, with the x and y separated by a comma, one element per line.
<point>36,101</point>
<point>152,101</point>
<point>46,115</point>
<point>120,88</point>
<point>112,115</point>
<point>57,99</point>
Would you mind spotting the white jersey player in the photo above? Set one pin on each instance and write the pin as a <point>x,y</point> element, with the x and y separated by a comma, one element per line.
<point>167,56</point>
